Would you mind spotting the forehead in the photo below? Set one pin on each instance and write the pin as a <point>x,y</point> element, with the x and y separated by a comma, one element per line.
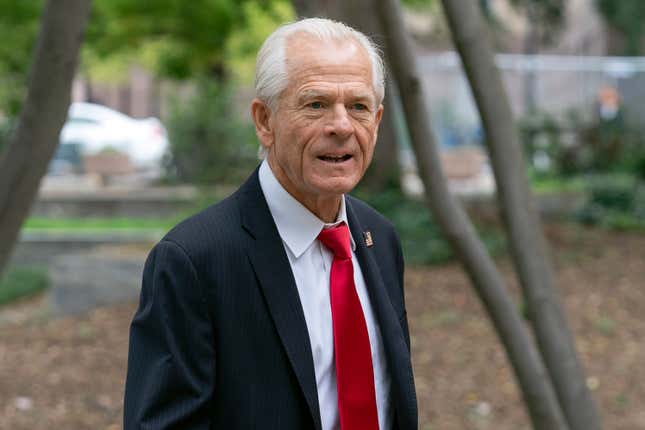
<point>327,61</point>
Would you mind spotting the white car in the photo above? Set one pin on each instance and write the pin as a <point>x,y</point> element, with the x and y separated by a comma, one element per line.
<point>91,129</point>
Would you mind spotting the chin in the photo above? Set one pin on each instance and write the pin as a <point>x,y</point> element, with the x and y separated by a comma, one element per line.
<point>337,187</point>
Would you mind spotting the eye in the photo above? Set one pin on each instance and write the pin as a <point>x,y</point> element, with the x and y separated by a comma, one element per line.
<point>359,107</point>
<point>316,105</point>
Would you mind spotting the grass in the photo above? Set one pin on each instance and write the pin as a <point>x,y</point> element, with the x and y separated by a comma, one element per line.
<point>615,200</point>
<point>205,198</point>
<point>551,184</point>
<point>37,224</point>
<point>420,237</point>
<point>621,221</point>
<point>21,282</point>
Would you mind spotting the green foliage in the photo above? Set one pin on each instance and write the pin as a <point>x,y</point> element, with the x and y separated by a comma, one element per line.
<point>606,325</point>
<point>626,16</point>
<point>244,41</point>
<point>19,23</point>
<point>425,4</point>
<point>621,401</point>
<point>193,32</point>
<point>556,184</point>
<point>569,146</point>
<point>547,15</point>
<point>181,39</point>
<point>616,201</point>
<point>22,282</point>
<point>97,224</point>
<point>209,141</point>
<point>421,237</point>
<point>173,38</point>
<point>562,146</point>
<point>613,192</point>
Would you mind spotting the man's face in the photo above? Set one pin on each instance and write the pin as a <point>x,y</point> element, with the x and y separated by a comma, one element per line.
<point>321,138</point>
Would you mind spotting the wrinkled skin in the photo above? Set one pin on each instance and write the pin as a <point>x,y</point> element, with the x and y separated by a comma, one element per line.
<point>320,139</point>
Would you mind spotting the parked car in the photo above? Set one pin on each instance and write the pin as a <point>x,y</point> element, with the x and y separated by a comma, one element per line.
<point>93,129</point>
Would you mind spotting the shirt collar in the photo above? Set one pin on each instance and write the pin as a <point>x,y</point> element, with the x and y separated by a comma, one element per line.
<point>298,227</point>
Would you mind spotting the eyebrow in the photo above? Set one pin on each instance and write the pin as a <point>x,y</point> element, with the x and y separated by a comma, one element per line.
<point>309,94</point>
<point>364,97</point>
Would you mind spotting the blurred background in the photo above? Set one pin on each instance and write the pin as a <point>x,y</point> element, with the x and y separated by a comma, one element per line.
<point>159,128</point>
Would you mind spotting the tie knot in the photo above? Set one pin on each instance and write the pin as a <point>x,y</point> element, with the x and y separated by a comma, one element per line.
<point>337,240</point>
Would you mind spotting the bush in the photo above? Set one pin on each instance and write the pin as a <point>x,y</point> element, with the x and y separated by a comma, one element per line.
<point>612,192</point>
<point>550,144</point>
<point>209,141</point>
<point>615,201</point>
<point>571,146</point>
<point>421,238</point>
<point>22,282</point>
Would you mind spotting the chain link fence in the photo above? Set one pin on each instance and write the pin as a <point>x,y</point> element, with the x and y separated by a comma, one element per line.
<point>559,86</point>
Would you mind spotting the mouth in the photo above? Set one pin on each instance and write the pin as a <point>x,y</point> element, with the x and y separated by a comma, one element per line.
<point>334,158</point>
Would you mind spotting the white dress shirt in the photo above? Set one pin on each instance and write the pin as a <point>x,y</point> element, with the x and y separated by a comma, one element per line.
<point>311,265</point>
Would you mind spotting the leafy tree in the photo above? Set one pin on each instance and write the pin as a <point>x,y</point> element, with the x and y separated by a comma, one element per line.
<point>173,38</point>
<point>244,41</point>
<point>527,244</point>
<point>627,17</point>
<point>459,230</point>
<point>190,38</point>
<point>210,143</point>
<point>190,35</point>
<point>31,145</point>
<point>557,400</point>
<point>545,18</point>
<point>18,29</point>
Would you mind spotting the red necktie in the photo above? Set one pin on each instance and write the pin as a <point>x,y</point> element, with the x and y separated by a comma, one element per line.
<point>354,374</point>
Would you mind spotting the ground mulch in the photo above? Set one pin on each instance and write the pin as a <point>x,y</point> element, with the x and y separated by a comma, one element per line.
<point>68,373</point>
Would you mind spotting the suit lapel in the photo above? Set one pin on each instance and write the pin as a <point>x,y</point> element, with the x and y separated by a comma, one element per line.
<point>396,351</point>
<point>271,265</point>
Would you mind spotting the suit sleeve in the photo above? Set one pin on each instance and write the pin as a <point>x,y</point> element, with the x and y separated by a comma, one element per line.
<point>171,360</point>
<point>400,266</point>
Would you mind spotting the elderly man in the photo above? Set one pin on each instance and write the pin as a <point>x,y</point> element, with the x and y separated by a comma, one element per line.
<point>282,306</point>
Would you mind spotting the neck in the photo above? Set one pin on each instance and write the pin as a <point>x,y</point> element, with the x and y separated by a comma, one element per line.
<point>325,209</point>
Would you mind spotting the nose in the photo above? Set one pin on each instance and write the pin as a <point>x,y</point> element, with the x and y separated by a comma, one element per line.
<point>340,124</point>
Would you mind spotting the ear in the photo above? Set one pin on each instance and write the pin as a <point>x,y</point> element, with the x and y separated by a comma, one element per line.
<point>261,115</point>
<point>377,120</point>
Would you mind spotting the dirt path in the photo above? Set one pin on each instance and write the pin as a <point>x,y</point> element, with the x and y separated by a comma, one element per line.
<point>68,373</point>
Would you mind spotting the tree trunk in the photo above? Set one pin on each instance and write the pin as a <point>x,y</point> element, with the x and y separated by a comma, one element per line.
<point>384,170</point>
<point>531,45</point>
<point>308,8</point>
<point>529,370</point>
<point>527,244</point>
<point>25,160</point>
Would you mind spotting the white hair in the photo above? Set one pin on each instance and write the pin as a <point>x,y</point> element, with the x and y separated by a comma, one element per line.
<point>271,65</point>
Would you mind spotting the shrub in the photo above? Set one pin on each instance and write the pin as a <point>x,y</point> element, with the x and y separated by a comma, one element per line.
<point>615,201</point>
<point>209,141</point>
<point>548,143</point>
<point>568,145</point>
<point>421,238</point>
<point>612,192</point>
<point>22,282</point>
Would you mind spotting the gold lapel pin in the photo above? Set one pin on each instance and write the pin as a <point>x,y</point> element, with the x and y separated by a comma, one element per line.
<point>368,238</point>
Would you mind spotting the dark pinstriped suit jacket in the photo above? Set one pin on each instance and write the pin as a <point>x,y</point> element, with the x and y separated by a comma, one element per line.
<point>219,340</point>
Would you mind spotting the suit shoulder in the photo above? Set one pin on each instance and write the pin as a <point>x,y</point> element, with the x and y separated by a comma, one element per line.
<point>215,224</point>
